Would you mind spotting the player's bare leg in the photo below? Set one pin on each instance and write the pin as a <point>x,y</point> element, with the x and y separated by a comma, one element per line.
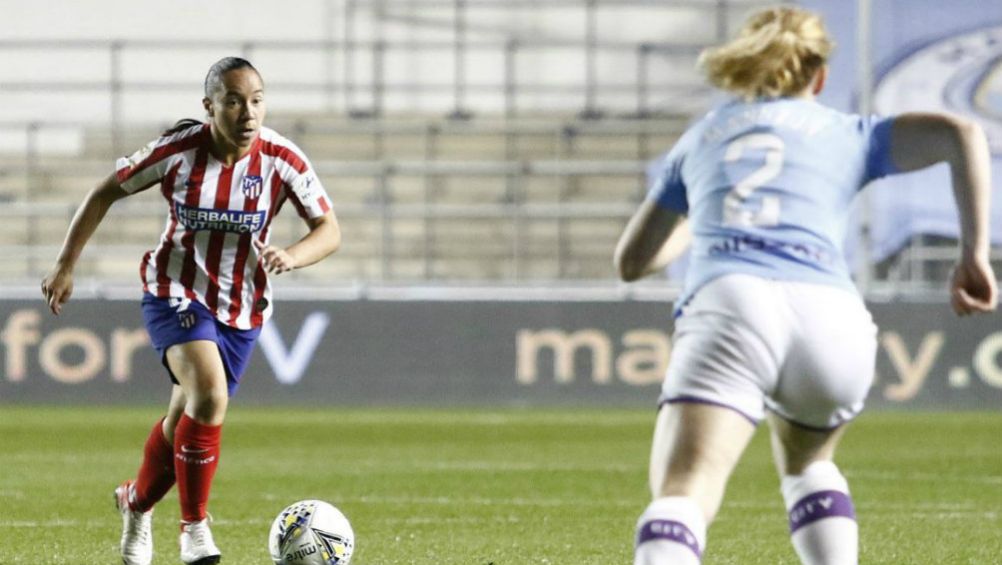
<point>822,519</point>
<point>199,369</point>
<point>174,410</point>
<point>695,449</point>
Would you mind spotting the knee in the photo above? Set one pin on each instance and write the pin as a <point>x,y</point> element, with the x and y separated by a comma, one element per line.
<point>209,406</point>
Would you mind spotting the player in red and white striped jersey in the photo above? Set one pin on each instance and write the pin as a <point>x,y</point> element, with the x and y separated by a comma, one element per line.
<point>206,288</point>
<point>216,213</point>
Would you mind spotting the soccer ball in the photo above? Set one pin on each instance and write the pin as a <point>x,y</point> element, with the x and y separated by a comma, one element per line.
<point>311,532</point>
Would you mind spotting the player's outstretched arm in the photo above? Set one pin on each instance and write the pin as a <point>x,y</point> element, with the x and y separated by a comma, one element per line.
<point>57,286</point>
<point>919,140</point>
<point>323,239</point>
<point>653,238</point>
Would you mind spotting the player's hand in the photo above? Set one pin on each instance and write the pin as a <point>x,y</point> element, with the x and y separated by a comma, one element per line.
<point>275,259</point>
<point>973,288</point>
<point>57,287</point>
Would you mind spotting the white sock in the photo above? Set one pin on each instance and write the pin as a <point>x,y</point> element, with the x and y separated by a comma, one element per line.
<point>822,519</point>
<point>671,530</point>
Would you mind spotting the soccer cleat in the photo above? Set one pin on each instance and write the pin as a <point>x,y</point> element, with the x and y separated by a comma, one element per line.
<point>137,532</point>
<point>197,547</point>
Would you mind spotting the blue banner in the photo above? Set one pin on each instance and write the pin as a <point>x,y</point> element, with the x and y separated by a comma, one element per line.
<point>928,55</point>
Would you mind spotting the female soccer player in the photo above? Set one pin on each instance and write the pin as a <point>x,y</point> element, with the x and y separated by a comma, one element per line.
<point>769,318</point>
<point>206,288</point>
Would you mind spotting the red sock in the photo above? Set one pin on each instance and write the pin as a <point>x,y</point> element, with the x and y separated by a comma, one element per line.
<point>156,474</point>
<point>196,454</point>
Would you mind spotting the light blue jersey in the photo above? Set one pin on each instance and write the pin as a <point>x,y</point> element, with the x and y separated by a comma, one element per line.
<point>767,187</point>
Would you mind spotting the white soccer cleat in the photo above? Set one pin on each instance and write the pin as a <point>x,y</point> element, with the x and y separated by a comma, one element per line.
<point>137,531</point>
<point>197,547</point>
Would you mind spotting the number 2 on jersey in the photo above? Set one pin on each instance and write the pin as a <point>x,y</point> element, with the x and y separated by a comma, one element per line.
<point>736,206</point>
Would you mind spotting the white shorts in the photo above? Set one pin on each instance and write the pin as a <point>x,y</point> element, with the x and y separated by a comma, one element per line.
<point>804,351</point>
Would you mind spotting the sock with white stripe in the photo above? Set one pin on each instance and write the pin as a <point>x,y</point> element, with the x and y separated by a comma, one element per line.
<point>671,530</point>
<point>822,519</point>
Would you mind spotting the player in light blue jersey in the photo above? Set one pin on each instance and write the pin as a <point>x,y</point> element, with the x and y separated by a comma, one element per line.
<point>769,324</point>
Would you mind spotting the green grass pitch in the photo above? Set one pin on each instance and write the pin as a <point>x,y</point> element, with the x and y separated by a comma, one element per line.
<point>473,487</point>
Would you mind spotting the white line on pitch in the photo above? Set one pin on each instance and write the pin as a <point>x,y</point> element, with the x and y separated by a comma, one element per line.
<point>895,476</point>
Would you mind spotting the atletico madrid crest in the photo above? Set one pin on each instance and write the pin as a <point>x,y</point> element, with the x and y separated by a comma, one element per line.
<point>251,185</point>
<point>186,319</point>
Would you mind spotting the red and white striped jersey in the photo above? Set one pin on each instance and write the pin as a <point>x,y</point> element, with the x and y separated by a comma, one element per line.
<point>205,252</point>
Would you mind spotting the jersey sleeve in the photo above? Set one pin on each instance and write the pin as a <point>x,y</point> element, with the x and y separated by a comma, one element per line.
<point>879,160</point>
<point>141,170</point>
<point>303,186</point>
<point>665,185</point>
<point>150,164</point>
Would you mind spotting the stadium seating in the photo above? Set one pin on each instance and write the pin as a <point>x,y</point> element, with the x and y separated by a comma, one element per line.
<point>419,199</point>
<point>459,142</point>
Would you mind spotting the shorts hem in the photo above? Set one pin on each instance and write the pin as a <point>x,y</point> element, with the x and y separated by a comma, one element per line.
<point>163,356</point>
<point>697,400</point>
<point>811,427</point>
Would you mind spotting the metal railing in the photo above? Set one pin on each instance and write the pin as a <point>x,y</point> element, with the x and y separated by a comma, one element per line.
<point>363,91</point>
<point>685,97</point>
<point>495,244</point>
<point>32,231</point>
<point>399,218</point>
<point>365,86</point>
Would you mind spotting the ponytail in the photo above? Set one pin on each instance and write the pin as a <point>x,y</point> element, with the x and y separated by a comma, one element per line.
<point>182,125</point>
<point>777,53</point>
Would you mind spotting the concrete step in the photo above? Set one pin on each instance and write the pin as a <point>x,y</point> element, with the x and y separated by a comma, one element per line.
<point>336,137</point>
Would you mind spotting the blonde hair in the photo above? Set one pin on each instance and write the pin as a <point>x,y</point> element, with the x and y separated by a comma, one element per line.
<point>777,53</point>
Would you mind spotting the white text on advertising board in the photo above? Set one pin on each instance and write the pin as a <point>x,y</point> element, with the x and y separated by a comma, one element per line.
<point>641,357</point>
